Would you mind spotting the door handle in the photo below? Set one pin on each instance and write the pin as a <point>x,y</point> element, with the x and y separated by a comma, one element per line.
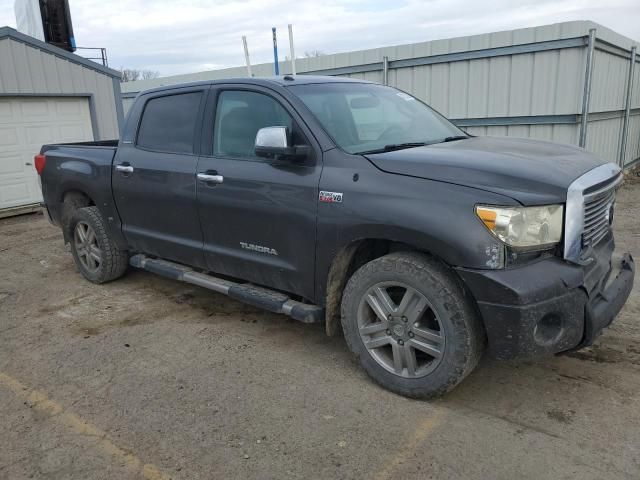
<point>124,168</point>
<point>205,177</point>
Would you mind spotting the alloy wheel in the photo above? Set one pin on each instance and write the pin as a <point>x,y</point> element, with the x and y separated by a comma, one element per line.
<point>401,330</point>
<point>86,246</point>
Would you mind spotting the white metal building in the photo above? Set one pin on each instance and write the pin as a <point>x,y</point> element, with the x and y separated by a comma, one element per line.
<point>47,95</point>
<point>525,83</point>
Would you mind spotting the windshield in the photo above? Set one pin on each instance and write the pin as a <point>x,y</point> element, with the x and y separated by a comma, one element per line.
<point>363,117</point>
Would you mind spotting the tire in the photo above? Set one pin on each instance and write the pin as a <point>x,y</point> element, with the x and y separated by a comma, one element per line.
<point>72,202</point>
<point>97,257</point>
<point>436,316</point>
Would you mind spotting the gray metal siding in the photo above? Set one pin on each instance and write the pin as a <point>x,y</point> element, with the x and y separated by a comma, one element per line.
<point>633,144</point>
<point>609,82</point>
<point>604,138</point>
<point>543,83</point>
<point>635,98</point>
<point>555,133</point>
<point>27,70</point>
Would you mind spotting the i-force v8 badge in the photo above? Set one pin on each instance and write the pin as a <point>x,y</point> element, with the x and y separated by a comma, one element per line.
<point>330,197</point>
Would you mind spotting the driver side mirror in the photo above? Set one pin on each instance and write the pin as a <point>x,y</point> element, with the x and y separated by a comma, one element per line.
<point>272,141</point>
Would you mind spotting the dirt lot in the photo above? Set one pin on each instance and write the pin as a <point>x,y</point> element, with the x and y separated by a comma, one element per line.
<point>149,378</point>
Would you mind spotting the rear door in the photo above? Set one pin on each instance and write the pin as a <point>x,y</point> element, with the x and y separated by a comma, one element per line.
<point>154,177</point>
<point>259,223</point>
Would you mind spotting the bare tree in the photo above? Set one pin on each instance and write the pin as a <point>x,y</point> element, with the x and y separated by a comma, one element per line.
<point>132,74</point>
<point>149,74</point>
<point>129,74</point>
<point>313,53</point>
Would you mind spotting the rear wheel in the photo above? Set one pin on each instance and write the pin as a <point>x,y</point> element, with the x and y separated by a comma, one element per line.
<point>95,254</point>
<point>406,318</point>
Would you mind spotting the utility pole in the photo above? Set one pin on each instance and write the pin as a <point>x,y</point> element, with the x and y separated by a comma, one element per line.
<point>292,51</point>
<point>246,56</point>
<point>276,67</point>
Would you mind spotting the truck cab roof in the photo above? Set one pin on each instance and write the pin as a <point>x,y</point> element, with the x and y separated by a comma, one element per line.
<point>282,80</point>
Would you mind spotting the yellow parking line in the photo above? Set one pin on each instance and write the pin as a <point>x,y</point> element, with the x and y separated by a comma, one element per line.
<point>411,444</point>
<point>42,403</point>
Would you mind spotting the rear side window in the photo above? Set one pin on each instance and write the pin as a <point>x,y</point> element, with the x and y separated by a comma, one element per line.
<point>169,123</point>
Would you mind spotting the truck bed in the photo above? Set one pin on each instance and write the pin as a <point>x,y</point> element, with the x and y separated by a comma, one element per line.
<point>81,166</point>
<point>98,143</point>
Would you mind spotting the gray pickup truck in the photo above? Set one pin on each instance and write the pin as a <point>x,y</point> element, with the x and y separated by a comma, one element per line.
<point>356,205</point>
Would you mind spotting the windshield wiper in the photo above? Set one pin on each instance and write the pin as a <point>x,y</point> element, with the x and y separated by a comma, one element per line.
<point>394,146</point>
<point>454,138</point>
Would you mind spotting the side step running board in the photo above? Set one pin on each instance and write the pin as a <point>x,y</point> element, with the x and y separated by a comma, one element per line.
<point>257,296</point>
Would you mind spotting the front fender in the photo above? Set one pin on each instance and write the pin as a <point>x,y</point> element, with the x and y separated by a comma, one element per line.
<point>431,216</point>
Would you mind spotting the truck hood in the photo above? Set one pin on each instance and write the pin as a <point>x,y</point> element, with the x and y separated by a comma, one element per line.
<point>529,171</point>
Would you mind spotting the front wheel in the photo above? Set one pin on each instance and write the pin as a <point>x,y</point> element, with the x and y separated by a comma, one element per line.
<point>407,319</point>
<point>96,255</point>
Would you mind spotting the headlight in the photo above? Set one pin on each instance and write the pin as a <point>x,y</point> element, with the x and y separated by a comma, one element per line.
<point>523,226</point>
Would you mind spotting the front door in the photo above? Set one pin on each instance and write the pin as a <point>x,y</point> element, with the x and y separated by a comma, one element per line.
<point>258,215</point>
<point>154,179</point>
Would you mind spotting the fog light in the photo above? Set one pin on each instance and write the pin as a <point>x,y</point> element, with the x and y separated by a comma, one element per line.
<point>548,330</point>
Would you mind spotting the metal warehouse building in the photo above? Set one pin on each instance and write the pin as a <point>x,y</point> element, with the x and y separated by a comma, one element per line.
<point>47,95</point>
<point>567,82</point>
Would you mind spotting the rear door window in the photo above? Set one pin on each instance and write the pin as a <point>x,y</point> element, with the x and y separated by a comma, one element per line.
<point>169,123</point>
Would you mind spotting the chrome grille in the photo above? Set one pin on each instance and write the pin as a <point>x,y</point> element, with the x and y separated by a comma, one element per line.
<point>589,200</point>
<point>597,211</point>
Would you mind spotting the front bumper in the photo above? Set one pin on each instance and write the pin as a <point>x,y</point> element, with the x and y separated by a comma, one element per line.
<point>550,306</point>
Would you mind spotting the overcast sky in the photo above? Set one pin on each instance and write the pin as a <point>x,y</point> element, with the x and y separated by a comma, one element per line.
<point>182,36</point>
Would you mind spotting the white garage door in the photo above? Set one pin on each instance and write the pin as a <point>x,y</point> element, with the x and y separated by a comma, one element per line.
<point>26,123</point>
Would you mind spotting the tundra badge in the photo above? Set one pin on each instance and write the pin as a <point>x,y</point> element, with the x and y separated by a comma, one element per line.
<point>258,248</point>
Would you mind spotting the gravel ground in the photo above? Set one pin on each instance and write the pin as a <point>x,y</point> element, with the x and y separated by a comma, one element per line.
<point>149,378</point>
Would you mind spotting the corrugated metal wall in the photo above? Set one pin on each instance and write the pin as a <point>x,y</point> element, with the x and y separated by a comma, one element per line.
<point>525,83</point>
<point>30,71</point>
<point>608,96</point>
<point>514,85</point>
